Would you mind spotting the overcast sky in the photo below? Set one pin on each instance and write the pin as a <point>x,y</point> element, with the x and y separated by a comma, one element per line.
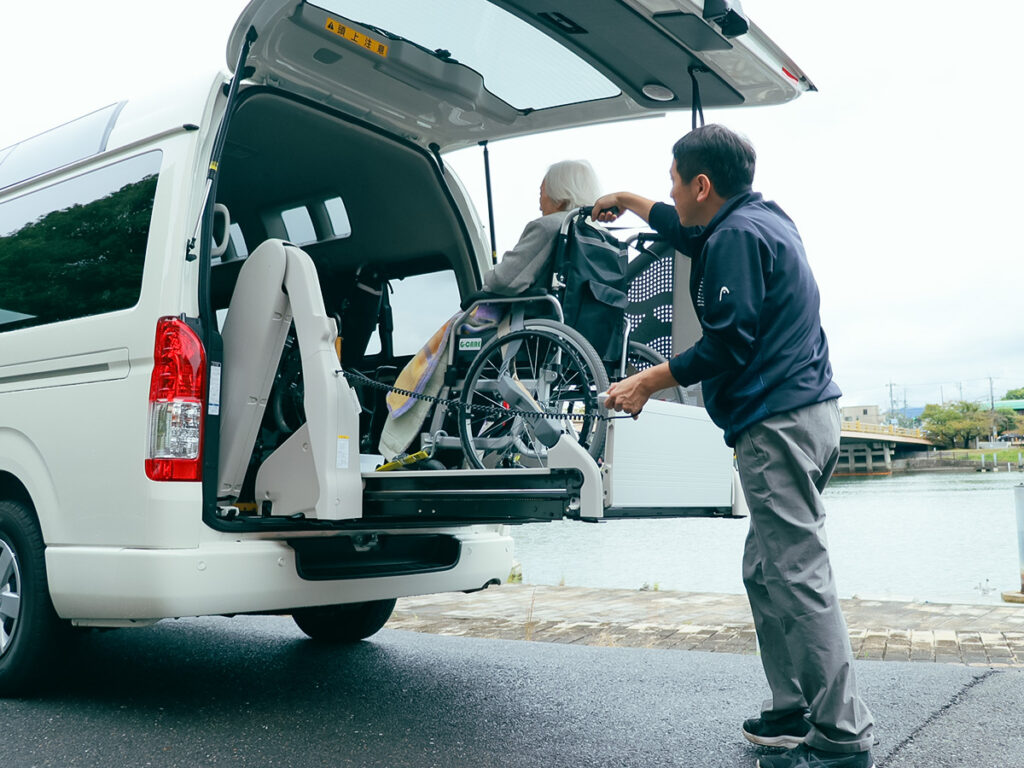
<point>902,172</point>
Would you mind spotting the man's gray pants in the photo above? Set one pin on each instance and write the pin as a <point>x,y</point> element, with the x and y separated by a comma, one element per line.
<point>784,463</point>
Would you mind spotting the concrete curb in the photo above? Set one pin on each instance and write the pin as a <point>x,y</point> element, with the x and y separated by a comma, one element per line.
<point>974,635</point>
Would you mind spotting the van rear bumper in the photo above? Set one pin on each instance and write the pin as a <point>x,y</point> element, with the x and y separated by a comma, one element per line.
<point>118,586</point>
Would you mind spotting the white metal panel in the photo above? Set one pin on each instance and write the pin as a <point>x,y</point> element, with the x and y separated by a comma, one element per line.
<point>107,586</point>
<point>672,456</point>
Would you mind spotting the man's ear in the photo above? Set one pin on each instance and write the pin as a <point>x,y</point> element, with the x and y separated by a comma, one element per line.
<point>704,187</point>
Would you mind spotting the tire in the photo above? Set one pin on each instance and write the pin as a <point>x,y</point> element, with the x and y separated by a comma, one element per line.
<point>589,353</point>
<point>346,623</point>
<point>639,357</point>
<point>30,631</point>
<point>562,372</point>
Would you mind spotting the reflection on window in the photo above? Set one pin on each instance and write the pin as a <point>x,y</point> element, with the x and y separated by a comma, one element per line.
<point>76,248</point>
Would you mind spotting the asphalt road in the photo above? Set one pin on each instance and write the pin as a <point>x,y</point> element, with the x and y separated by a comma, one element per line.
<point>253,692</point>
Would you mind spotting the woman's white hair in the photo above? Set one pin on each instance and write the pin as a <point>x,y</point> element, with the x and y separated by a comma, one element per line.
<point>572,183</point>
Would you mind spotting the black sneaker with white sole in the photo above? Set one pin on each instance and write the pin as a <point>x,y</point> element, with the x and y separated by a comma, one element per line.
<point>786,732</point>
<point>808,757</point>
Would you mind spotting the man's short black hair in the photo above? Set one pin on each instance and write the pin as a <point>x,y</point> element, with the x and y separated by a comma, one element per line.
<point>723,156</point>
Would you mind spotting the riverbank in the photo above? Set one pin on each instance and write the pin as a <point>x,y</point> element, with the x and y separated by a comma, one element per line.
<point>974,635</point>
<point>962,460</point>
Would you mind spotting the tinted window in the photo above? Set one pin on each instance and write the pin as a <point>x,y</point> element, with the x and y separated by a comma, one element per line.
<point>299,225</point>
<point>76,248</point>
<point>238,241</point>
<point>72,141</point>
<point>338,216</point>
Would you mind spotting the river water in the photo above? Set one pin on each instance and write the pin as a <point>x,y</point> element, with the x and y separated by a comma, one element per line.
<point>938,537</point>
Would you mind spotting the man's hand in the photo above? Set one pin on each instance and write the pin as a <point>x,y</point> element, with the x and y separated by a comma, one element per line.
<point>632,393</point>
<point>622,201</point>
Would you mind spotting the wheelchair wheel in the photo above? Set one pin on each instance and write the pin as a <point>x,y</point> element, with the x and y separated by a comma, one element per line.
<point>589,353</point>
<point>557,373</point>
<point>639,357</point>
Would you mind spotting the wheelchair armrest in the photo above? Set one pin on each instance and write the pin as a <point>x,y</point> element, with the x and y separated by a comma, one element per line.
<point>476,297</point>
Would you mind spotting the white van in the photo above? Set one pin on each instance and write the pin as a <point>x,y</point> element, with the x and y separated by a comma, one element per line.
<point>177,434</point>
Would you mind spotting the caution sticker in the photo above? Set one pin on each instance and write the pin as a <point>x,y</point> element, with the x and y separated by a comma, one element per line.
<point>363,41</point>
<point>341,461</point>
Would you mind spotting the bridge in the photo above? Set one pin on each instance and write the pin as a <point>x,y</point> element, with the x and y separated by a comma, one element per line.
<point>868,449</point>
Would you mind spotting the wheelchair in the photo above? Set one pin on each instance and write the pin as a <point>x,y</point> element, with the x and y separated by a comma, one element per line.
<point>561,346</point>
<point>509,392</point>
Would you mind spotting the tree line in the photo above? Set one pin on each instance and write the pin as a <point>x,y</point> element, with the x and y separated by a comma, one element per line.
<point>957,424</point>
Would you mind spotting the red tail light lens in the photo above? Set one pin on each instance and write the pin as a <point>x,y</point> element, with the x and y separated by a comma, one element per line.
<point>176,403</point>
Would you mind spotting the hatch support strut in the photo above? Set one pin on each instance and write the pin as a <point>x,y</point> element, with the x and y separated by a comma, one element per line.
<point>698,108</point>
<point>218,145</point>
<point>490,202</point>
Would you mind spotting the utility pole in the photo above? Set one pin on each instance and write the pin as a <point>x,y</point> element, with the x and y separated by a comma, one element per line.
<point>992,407</point>
<point>891,404</point>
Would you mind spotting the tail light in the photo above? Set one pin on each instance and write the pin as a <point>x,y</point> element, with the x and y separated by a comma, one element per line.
<point>176,403</point>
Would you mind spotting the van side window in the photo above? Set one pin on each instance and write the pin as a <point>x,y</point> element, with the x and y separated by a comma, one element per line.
<point>299,225</point>
<point>420,304</point>
<point>76,248</point>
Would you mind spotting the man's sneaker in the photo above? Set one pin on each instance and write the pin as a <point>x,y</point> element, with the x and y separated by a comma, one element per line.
<point>786,732</point>
<point>808,757</point>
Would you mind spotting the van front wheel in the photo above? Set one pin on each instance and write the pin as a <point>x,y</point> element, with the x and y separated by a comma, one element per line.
<point>347,623</point>
<point>29,627</point>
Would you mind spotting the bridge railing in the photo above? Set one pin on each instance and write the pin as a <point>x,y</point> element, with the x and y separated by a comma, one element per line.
<point>882,429</point>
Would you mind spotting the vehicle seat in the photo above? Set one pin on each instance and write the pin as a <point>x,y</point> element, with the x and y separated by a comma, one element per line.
<point>255,328</point>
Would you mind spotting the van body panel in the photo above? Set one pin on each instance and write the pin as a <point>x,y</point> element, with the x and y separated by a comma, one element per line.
<point>240,576</point>
<point>149,115</point>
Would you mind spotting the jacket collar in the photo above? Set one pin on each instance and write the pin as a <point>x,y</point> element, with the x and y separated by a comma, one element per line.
<point>730,205</point>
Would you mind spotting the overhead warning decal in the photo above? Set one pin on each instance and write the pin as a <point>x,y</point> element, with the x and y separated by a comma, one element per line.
<point>363,41</point>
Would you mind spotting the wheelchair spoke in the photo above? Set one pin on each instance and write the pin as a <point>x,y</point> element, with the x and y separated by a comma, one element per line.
<point>555,372</point>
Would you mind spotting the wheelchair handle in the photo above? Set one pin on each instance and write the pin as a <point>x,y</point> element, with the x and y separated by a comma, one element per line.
<point>584,211</point>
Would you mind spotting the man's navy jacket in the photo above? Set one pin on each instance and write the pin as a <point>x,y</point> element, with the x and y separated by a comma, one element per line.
<point>763,350</point>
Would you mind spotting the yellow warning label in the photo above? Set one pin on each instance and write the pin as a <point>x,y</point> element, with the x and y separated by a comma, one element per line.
<point>363,41</point>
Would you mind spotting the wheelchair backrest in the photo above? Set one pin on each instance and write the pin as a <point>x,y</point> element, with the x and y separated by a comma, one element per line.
<point>590,269</point>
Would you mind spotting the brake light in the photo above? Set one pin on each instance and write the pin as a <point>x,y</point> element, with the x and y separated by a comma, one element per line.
<point>176,401</point>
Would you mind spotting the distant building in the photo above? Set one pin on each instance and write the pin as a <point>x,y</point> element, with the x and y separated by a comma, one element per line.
<point>1012,405</point>
<point>865,414</point>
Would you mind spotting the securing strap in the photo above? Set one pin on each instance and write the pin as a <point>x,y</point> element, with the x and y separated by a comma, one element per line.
<point>451,405</point>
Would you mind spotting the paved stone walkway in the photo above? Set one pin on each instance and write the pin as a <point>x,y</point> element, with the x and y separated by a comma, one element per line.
<point>976,635</point>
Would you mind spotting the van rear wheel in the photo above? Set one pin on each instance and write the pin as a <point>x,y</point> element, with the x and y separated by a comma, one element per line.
<point>346,623</point>
<point>29,627</point>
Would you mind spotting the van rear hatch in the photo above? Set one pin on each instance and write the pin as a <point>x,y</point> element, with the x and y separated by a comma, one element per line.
<point>450,73</point>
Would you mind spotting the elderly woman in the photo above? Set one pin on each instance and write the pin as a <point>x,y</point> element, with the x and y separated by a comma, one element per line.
<point>566,185</point>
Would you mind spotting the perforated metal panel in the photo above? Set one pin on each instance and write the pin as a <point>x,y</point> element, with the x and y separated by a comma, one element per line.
<point>650,306</point>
